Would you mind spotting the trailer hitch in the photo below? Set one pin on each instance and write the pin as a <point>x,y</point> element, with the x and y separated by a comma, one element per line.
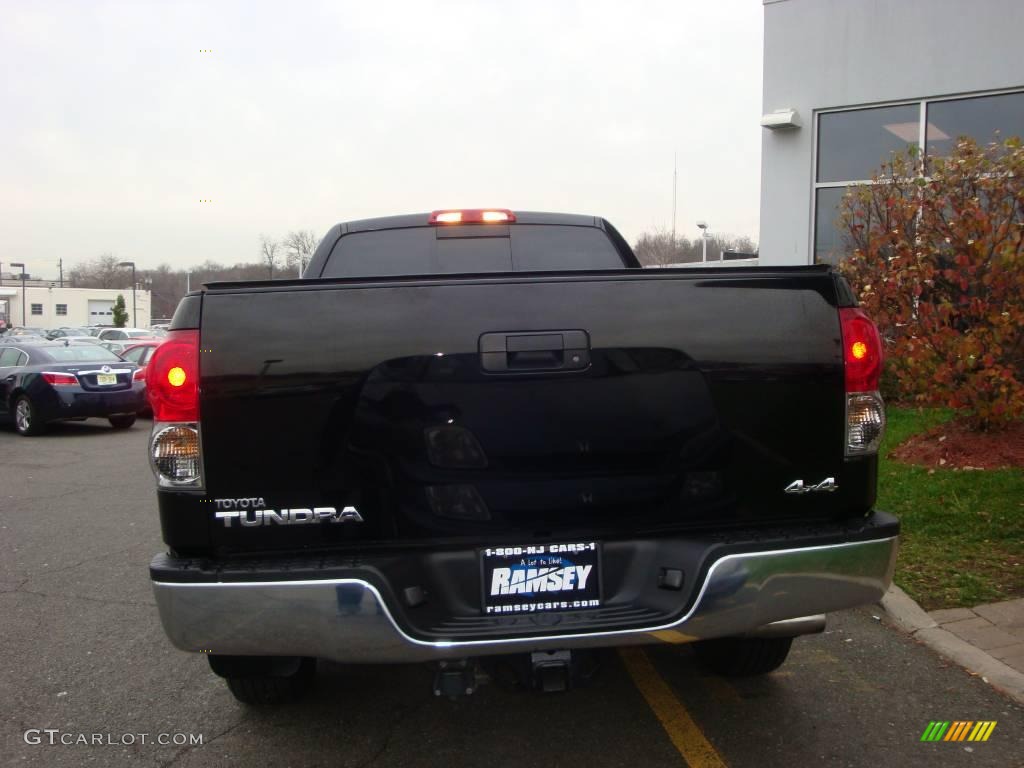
<point>551,670</point>
<point>456,678</point>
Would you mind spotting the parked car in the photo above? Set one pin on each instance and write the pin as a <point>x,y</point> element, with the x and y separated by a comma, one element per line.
<point>53,381</point>
<point>120,347</point>
<point>25,331</point>
<point>120,334</point>
<point>117,347</point>
<point>140,353</point>
<point>89,339</point>
<point>508,438</point>
<point>63,333</point>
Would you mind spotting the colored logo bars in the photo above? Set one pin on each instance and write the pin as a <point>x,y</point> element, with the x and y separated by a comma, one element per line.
<point>958,730</point>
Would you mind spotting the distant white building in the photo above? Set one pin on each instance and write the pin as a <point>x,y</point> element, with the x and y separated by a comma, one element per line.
<point>53,307</point>
<point>847,82</point>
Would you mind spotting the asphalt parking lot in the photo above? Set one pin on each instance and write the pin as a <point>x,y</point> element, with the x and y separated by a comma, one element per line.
<point>83,653</point>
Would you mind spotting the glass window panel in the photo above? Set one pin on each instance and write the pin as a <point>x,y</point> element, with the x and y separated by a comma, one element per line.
<point>852,145</point>
<point>829,243</point>
<point>84,353</point>
<point>543,247</point>
<point>978,118</point>
<point>378,254</point>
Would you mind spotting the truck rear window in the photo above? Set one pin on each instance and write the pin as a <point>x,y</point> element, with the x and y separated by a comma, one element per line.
<point>471,248</point>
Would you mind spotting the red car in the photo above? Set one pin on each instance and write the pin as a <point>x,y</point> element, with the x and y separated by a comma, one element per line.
<point>139,353</point>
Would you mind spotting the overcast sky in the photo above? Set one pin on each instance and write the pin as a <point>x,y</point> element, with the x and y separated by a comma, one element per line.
<point>114,125</point>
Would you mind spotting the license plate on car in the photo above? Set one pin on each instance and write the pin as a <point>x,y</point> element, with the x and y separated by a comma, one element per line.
<point>541,577</point>
<point>106,379</point>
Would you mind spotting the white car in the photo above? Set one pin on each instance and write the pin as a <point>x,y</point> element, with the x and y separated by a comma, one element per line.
<point>90,339</point>
<point>121,334</point>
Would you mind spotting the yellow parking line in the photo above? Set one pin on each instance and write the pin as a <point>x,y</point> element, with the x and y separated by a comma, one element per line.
<point>686,736</point>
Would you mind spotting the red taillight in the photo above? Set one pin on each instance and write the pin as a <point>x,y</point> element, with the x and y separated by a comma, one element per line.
<point>139,375</point>
<point>472,216</point>
<point>862,350</point>
<point>60,379</point>
<point>172,377</point>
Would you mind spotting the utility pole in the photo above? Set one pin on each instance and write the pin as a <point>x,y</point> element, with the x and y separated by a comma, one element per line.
<point>60,266</point>
<point>674,179</point>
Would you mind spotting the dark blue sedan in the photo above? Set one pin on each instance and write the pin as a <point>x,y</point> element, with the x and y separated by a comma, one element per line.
<point>53,381</point>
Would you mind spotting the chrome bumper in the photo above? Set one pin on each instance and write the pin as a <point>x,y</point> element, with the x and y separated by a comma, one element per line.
<point>754,593</point>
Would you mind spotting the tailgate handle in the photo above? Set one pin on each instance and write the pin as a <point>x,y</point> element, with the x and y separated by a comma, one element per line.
<point>535,351</point>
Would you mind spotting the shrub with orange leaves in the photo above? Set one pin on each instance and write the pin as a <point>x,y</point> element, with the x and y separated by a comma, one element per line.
<point>936,255</point>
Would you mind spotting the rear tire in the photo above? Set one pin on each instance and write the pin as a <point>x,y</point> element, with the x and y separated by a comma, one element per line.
<point>271,690</point>
<point>122,421</point>
<point>743,656</point>
<point>26,419</point>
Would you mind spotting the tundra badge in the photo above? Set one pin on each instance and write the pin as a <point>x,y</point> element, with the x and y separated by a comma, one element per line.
<point>259,517</point>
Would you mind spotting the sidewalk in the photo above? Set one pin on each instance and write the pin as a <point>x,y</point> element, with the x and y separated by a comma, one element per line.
<point>987,640</point>
<point>997,628</point>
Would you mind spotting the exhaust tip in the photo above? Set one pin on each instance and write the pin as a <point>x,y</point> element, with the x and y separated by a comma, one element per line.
<point>803,625</point>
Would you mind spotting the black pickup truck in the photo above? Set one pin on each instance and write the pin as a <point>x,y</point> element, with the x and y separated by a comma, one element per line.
<point>479,433</point>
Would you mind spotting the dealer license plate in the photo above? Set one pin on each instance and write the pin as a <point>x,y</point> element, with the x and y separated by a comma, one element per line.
<point>106,379</point>
<point>541,577</point>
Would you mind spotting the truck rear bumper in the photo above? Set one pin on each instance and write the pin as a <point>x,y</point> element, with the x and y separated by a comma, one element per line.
<point>760,592</point>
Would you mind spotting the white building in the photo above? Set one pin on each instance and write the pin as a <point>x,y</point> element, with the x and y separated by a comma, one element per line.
<point>864,78</point>
<point>52,307</point>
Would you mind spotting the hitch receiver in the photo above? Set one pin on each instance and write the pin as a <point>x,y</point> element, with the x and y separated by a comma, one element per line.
<point>455,679</point>
<point>551,670</point>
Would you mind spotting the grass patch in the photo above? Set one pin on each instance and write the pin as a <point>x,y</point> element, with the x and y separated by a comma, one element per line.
<point>962,540</point>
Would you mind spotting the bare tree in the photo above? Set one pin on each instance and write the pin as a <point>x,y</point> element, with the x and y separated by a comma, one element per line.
<point>300,244</point>
<point>101,272</point>
<point>166,283</point>
<point>268,253</point>
<point>167,287</point>
<point>659,248</point>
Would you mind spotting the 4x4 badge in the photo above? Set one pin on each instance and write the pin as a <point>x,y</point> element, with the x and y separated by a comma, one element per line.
<point>829,484</point>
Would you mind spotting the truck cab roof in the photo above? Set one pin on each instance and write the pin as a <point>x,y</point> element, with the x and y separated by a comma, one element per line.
<point>541,234</point>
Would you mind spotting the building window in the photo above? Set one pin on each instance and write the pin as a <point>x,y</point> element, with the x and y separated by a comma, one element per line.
<point>62,309</point>
<point>852,144</point>
<point>981,118</point>
<point>828,239</point>
<point>37,309</point>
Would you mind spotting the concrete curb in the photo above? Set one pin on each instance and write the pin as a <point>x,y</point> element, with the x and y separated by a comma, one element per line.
<point>912,619</point>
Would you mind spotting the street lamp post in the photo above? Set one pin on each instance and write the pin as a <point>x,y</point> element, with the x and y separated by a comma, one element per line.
<point>135,319</point>
<point>23,276</point>
<point>703,225</point>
